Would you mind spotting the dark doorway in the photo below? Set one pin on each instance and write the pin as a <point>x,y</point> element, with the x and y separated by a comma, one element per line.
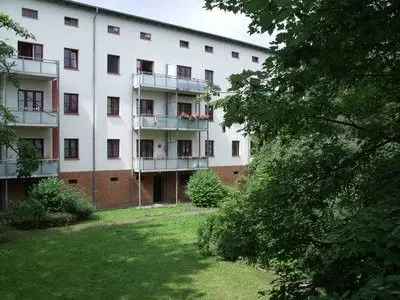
<point>158,188</point>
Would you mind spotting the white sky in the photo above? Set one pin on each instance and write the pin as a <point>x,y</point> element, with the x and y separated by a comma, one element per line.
<point>187,13</point>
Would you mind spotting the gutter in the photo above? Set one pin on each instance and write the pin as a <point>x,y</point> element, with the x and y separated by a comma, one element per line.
<point>94,112</point>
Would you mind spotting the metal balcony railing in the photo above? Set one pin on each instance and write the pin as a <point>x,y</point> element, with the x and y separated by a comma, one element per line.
<point>35,118</point>
<point>166,82</point>
<point>171,164</point>
<point>43,68</point>
<point>47,168</point>
<point>169,123</point>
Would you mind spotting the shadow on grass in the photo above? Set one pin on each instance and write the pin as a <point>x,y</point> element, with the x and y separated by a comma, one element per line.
<point>126,261</point>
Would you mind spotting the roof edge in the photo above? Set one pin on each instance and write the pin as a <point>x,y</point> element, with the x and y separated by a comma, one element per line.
<point>160,23</point>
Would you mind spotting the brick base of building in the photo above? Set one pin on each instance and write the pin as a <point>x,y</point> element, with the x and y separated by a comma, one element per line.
<point>120,189</point>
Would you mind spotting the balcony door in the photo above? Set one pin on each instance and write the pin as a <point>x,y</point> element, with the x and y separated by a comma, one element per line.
<point>184,148</point>
<point>146,107</point>
<point>184,108</point>
<point>29,100</point>
<point>30,51</point>
<point>146,149</point>
<point>184,72</point>
<point>144,66</point>
<point>38,144</point>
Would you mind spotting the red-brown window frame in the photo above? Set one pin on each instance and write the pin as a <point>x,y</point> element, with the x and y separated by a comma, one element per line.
<point>113,106</point>
<point>68,149</point>
<point>68,107</point>
<point>69,66</point>
<point>113,148</point>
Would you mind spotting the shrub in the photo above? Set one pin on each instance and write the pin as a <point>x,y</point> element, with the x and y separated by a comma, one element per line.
<point>51,203</point>
<point>205,189</point>
<point>227,234</point>
<point>28,214</point>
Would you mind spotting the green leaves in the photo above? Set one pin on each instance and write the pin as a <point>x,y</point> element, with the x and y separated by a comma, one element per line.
<point>322,196</point>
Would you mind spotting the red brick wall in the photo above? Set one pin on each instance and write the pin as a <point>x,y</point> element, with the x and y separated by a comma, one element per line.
<point>124,191</point>
<point>227,173</point>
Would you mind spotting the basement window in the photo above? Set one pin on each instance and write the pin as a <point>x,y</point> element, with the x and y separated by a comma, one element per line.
<point>73,181</point>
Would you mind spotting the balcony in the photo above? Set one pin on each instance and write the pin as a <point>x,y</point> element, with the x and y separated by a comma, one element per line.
<point>35,118</point>
<point>47,168</point>
<point>169,123</point>
<point>170,83</point>
<point>43,69</point>
<point>170,164</point>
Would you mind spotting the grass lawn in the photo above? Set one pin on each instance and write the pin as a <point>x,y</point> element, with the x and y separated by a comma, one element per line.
<point>125,254</point>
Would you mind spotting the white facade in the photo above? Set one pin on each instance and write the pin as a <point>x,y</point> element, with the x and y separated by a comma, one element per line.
<point>91,80</point>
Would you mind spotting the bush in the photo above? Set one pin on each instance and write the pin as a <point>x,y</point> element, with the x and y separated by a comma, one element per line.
<point>205,189</point>
<point>227,234</point>
<point>51,203</point>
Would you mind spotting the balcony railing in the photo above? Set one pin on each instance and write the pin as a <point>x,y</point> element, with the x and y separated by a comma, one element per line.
<point>47,168</point>
<point>169,123</point>
<point>35,118</point>
<point>166,82</point>
<point>44,68</point>
<point>171,164</point>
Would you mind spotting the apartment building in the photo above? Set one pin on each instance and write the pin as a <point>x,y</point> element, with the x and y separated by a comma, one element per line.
<point>114,102</point>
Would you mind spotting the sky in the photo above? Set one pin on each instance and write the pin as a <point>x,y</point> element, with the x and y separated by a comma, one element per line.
<point>187,13</point>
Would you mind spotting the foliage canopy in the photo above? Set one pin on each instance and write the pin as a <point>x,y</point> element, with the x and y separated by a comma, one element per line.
<point>323,190</point>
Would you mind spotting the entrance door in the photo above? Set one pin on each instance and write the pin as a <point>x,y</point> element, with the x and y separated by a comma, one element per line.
<point>157,188</point>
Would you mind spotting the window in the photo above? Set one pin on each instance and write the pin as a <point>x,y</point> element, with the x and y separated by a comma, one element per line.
<point>114,179</point>
<point>209,49</point>
<point>71,103</point>
<point>113,29</point>
<point>146,148</point>
<point>29,100</point>
<point>209,109</point>
<point>184,148</point>
<point>38,144</point>
<point>184,108</point>
<point>209,148</point>
<point>146,107</point>
<point>235,54</point>
<point>209,76</point>
<point>71,21</point>
<point>145,36</point>
<point>30,13</point>
<point>144,66</point>
<point>235,148</point>
<point>73,181</point>
<point>30,51</point>
<point>113,64</point>
<point>112,148</point>
<point>223,128</point>
<point>184,72</point>
<point>70,59</point>
<point>184,44</point>
<point>71,148</point>
<point>255,59</point>
<point>113,106</point>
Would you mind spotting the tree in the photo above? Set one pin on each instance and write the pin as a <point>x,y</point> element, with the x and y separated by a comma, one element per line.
<point>27,161</point>
<point>323,191</point>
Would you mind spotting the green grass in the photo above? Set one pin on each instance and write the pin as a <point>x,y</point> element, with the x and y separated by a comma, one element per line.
<point>124,254</point>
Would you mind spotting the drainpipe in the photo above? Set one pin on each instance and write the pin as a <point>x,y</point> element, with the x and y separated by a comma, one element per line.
<point>4,102</point>
<point>94,112</point>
